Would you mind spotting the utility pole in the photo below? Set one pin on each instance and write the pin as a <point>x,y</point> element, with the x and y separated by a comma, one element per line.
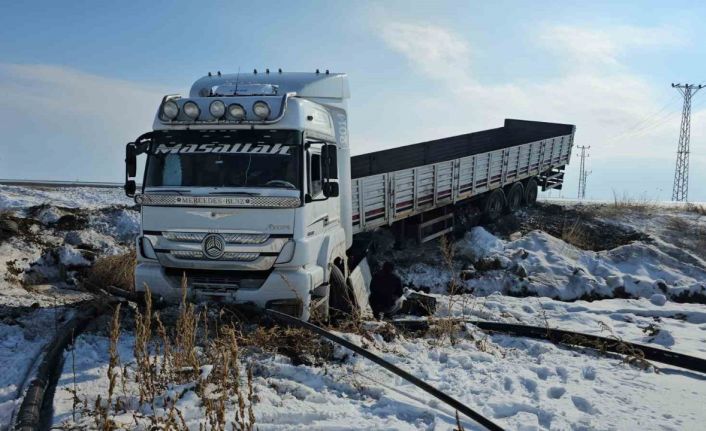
<point>582,171</point>
<point>680,192</point>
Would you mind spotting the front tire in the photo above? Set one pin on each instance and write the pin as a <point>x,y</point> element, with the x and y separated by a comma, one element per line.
<point>340,297</point>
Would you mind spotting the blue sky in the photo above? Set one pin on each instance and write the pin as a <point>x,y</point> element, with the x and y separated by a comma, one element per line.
<point>81,78</point>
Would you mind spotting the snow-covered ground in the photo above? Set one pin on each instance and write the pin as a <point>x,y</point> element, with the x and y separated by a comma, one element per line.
<point>71,197</point>
<point>633,290</point>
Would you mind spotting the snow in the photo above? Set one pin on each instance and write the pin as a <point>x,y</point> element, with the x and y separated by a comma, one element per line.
<point>516,382</point>
<point>71,258</point>
<point>519,383</point>
<point>560,270</point>
<point>69,197</point>
<point>658,299</point>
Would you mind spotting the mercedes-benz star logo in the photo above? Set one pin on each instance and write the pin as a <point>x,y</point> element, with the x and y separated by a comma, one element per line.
<point>214,246</point>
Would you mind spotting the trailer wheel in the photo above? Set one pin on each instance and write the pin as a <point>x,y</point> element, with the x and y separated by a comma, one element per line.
<point>531,192</point>
<point>494,205</point>
<point>515,197</point>
<point>341,299</point>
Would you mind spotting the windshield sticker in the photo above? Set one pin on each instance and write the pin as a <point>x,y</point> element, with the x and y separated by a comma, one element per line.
<point>278,149</point>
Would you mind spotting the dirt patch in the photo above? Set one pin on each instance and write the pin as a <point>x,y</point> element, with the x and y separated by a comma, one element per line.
<point>23,228</point>
<point>577,226</point>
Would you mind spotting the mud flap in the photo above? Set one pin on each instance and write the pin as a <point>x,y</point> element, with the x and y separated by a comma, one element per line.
<point>359,284</point>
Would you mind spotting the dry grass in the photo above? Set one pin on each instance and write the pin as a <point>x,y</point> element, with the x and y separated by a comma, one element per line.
<point>169,357</point>
<point>300,345</point>
<point>678,224</point>
<point>450,329</point>
<point>631,355</point>
<point>621,205</point>
<point>575,234</point>
<point>117,270</point>
<point>626,202</point>
<point>696,208</point>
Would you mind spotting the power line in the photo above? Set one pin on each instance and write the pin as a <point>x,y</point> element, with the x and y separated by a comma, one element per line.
<point>680,191</point>
<point>583,174</point>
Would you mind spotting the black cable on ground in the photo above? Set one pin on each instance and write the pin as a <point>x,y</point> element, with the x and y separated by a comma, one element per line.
<point>454,403</point>
<point>30,414</point>
<point>612,345</point>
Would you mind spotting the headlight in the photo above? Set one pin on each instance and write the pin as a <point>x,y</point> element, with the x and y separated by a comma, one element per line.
<point>139,198</point>
<point>147,249</point>
<point>287,252</point>
<point>261,109</point>
<point>236,111</point>
<point>170,110</point>
<point>217,108</point>
<point>191,110</point>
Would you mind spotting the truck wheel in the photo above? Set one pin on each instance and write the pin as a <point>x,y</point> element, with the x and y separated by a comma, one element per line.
<point>340,297</point>
<point>494,205</point>
<point>531,192</point>
<point>515,198</point>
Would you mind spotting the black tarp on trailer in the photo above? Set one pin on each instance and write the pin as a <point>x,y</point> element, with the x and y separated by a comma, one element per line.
<point>514,132</point>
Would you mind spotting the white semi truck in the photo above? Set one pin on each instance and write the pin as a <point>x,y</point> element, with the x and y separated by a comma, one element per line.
<point>251,194</point>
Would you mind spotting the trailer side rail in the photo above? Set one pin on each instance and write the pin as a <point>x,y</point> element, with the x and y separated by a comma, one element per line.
<point>385,198</point>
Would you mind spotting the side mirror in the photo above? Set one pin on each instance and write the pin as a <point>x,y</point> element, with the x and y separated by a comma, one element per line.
<point>329,161</point>
<point>130,160</point>
<point>330,189</point>
<point>130,188</point>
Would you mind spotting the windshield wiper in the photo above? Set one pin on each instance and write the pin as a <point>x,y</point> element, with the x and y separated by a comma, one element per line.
<point>235,193</point>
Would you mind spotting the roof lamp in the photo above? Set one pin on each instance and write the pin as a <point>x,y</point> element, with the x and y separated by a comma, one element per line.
<point>236,111</point>
<point>191,109</point>
<point>261,109</point>
<point>217,108</point>
<point>170,109</point>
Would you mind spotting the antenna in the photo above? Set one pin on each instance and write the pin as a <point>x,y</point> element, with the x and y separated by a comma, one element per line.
<point>237,78</point>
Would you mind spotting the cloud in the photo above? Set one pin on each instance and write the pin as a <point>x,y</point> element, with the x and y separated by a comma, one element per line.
<point>62,123</point>
<point>613,108</point>
<point>436,52</point>
<point>604,46</point>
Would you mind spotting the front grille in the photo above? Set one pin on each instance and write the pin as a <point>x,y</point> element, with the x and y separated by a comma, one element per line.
<point>229,255</point>
<point>230,238</point>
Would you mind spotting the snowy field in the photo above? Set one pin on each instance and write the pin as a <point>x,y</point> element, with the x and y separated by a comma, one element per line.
<point>636,273</point>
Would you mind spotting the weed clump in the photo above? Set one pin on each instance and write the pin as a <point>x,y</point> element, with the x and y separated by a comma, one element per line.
<point>117,271</point>
<point>170,362</point>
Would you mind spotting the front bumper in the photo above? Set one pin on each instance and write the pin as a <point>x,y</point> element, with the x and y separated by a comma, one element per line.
<point>282,289</point>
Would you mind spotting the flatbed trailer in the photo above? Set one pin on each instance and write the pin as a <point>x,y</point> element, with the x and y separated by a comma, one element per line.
<point>393,185</point>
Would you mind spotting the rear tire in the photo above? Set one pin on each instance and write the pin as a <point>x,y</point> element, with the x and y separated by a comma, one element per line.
<point>515,198</point>
<point>494,205</point>
<point>531,192</point>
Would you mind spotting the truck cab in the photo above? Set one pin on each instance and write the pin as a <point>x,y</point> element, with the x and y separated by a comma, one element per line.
<point>241,194</point>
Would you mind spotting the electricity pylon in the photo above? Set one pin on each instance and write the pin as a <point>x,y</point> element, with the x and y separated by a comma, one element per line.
<point>582,171</point>
<point>680,191</point>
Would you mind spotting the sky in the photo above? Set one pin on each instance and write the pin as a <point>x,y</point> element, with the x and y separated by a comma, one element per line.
<point>80,79</point>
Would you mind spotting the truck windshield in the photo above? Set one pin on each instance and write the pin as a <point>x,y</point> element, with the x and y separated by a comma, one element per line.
<point>242,158</point>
